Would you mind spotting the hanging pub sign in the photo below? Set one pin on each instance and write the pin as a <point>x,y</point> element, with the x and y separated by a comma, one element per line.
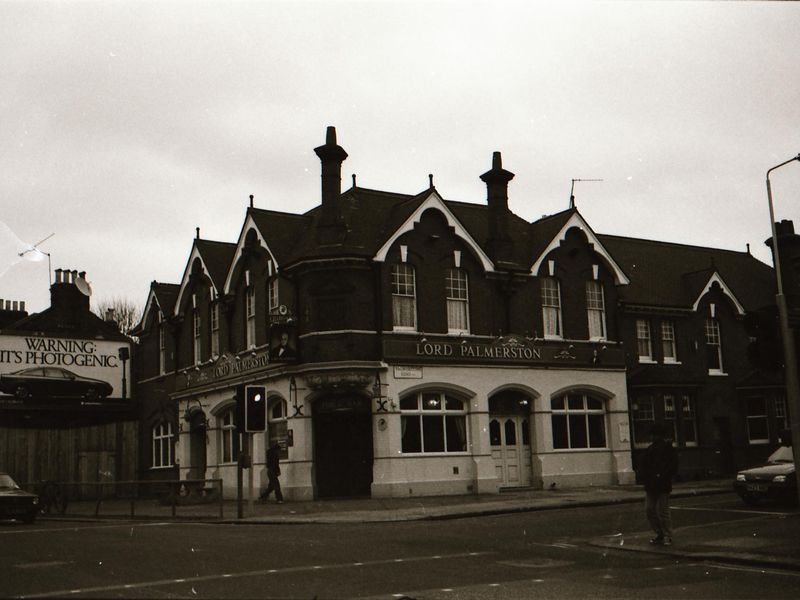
<point>43,368</point>
<point>282,343</point>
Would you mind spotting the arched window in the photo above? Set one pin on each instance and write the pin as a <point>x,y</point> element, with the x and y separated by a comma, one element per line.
<point>229,438</point>
<point>404,297</point>
<point>277,425</point>
<point>163,445</point>
<point>551,307</point>
<point>433,422</point>
<point>579,421</point>
<point>456,285</point>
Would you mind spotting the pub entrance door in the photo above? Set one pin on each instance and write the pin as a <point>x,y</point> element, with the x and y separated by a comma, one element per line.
<point>510,438</point>
<point>342,446</point>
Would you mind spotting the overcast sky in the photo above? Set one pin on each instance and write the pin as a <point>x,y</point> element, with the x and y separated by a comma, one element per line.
<point>125,125</point>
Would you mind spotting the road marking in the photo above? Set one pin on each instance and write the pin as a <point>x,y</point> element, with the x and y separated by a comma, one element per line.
<point>734,510</point>
<point>82,528</point>
<point>257,573</point>
<point>750,569</point>
<point>36,565</point>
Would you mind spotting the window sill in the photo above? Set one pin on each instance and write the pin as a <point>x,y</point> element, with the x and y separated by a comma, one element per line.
<point>404,329</point>
<point>715,373</point>
<point>672,362</point>
<point>161,468</point>
<point>647,361</point>
<point>758,442</point>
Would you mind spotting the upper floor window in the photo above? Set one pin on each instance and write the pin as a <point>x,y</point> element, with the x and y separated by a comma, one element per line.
<point>404,297</point>
<point>162,348</point>
<point>433,422</point>
<point>196,336</point>
<point>551,307</point>
<point>250,316</point>
<point>579,421</point>
<point>272,294</point>
<point>643,344</point>
<point>781,415</point>
<point>163,446</point>
<point>596,310</point>
<point>713,346</point>
<point>214,327</point>
<point>668,341</point>
<point>229,438</point>
<point>457,301</point>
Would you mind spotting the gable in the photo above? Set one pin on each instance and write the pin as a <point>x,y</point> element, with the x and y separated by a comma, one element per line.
<point>716,278</point>
<point>434,201</point>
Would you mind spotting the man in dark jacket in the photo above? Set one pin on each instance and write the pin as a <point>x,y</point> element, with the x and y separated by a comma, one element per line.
<point>273,472</point>
<point>658,467</point>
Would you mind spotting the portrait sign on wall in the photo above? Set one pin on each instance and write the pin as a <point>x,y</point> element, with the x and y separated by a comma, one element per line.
<point>282,343</point>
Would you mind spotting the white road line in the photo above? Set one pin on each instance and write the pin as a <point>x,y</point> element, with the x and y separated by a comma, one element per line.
<point>257,573</point>
<point>750,569</point>
<point>734,510</point>
<point>84,528</point>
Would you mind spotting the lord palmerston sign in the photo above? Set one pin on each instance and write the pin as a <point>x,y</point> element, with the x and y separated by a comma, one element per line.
<point>507,350</point>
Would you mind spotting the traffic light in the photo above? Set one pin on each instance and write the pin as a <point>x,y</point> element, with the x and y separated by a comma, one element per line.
<point>255,408</point>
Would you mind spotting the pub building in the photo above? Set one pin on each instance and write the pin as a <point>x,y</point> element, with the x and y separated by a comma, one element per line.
<point>411,345</point>
<point>66,408</point>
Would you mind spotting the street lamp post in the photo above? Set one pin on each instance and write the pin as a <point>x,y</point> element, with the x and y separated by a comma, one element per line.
<point>789,352</point>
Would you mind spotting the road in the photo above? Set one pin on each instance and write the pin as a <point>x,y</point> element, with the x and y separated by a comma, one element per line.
<point>544,554</point>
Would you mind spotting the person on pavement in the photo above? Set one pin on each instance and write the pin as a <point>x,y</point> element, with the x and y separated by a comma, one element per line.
<point>273,472</point>
<point>658,468</point>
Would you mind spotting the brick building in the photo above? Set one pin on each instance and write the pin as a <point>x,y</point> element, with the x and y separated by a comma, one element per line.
<point>442,347</point>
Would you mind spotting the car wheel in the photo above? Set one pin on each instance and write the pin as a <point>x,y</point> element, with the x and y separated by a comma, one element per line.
<point>750,499</point>
<point>22,392</point>
<point>29,518</point>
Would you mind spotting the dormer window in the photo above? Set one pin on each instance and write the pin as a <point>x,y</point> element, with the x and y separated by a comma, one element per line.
<point>551,307</point>
<point>404,298</point>
<point>250,316</point>
<point>456,285</point>
<point>196,336</point>
<point>214,327</point>
<point>713,347</point>
<point>643,342</point>
<point>595,310</point>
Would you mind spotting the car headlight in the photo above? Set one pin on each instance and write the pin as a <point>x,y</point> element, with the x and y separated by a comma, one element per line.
<point>740,477</point>
<point>779,479</point>
<point>36,500</point>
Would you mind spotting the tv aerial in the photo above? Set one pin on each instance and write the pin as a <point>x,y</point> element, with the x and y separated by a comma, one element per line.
<point>572,191</point>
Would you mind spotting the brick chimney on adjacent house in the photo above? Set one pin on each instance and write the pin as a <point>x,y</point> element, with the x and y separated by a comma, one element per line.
<point>501,246</point>
<point>331,225</point>
<point>69,295</point>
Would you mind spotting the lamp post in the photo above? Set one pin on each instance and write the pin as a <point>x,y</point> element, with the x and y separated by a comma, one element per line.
<point>789,352</point>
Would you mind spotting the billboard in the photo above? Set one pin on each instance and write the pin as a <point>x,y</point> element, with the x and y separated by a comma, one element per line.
<point>41,367</point>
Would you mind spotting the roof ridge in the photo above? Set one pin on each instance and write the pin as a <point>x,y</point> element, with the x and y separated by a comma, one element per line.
<point>667,243</point>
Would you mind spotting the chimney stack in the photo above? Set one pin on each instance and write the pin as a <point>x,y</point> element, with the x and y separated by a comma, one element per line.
<point>496,179</point>
<point>331,155</point>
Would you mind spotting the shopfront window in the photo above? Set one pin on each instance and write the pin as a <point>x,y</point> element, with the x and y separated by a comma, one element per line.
<point>433,422</point>
<point>579,421</point>
<point>277,426</point>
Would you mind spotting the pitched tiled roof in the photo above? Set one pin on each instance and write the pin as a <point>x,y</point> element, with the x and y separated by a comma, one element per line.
<point>217,257</point>
<point>283,232</point>
<point>166,294</point>
<point>673,275</point>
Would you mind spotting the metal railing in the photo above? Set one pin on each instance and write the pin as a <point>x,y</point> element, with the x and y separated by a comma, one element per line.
<point>196,498</point>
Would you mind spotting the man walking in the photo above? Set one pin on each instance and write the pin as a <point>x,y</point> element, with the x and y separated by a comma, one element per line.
<point>659,466</point>
<point>273,472</point>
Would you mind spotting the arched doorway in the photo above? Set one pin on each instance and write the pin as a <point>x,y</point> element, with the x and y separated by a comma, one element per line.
<point>197,445</point>
<point>510,438</point>
<point>342,446</point>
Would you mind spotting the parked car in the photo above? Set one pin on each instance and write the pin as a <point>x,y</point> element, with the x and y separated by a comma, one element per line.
<point>16,503</point>
<point>53,382</point>
<point>775,480</point>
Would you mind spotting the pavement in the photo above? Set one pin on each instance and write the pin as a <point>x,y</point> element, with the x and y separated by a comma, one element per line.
<point>773,543</point>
